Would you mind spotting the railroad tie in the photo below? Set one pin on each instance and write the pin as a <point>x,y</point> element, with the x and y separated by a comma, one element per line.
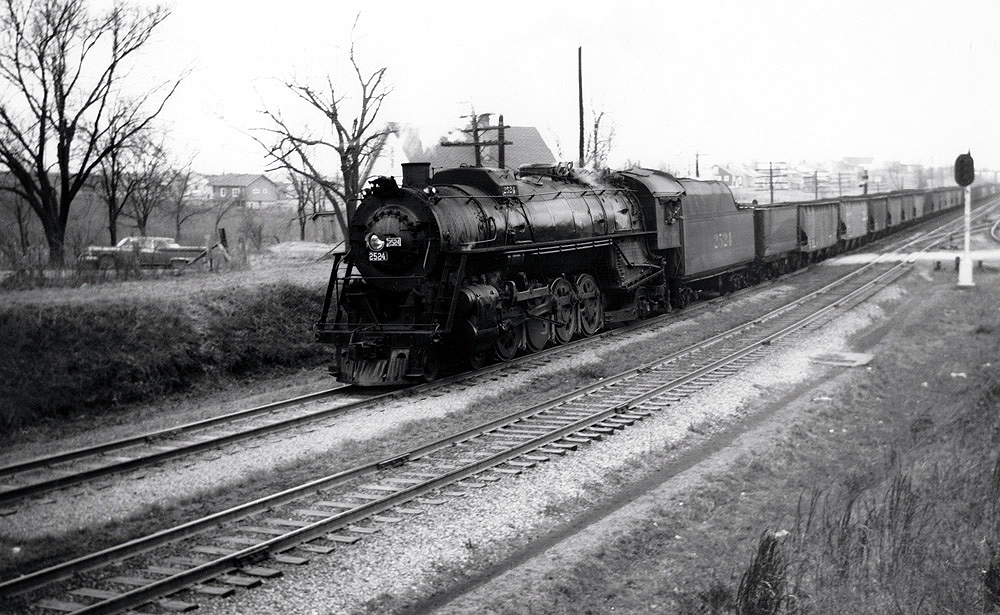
<point>60,605</point>
<point>240,540</point>
<point>564,445</point>
<point>409,511</point>
<point>537,458</point>
<point>238,580</point>
<point>261,571</point>
<point>361,529</point>
<point>550,449</point>
<point>311,548</point>
<point>312,512</point>
<point>333,504</point>
<point>431,501</point>
<point>287,522</point>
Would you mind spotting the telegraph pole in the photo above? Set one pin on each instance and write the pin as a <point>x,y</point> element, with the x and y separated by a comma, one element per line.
<point>477,143</point>
<point>770,178</point>
<point>579,68</point>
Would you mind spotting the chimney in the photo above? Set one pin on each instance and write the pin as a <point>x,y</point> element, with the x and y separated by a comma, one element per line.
<point>416,175</point>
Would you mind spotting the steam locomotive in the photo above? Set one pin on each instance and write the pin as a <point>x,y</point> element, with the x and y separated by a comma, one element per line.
<point>479,264</point>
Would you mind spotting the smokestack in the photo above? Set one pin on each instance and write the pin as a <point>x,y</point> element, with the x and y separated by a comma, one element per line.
<point>416,175</point>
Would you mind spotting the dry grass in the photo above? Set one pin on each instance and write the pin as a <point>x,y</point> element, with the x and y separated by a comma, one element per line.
<point>96,356</point>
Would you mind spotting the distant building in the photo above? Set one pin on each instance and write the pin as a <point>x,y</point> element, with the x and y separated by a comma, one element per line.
<point>253,190</point>
<point>198,188</point>
<point>733,175</point>
<point>526,147</point>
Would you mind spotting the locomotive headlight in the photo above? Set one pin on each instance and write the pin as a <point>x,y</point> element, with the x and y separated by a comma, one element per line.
<point>375,243</point>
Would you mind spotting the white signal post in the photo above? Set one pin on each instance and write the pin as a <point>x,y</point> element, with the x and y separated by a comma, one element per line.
<point>965,175</point>
<point>965,265</point>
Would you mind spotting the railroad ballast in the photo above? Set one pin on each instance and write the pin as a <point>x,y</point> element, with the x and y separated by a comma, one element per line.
<point>477,264</point>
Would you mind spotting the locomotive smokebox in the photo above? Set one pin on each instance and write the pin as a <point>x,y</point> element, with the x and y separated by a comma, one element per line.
<point>416,175</point>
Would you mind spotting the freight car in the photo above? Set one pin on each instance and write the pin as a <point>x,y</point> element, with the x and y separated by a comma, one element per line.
<point>479,264</point>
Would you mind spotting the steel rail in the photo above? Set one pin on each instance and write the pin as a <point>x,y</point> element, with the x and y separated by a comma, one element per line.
<point>161,434</point>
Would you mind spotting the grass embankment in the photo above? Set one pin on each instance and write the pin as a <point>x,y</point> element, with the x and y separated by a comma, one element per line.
<point>882,495</point>
<point>83,359</point>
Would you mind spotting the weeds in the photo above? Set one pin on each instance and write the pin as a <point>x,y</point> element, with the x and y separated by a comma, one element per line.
<point>764,587</point>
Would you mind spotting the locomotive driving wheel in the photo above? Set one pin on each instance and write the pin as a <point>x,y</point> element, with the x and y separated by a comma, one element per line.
<point>537,332</point>
<point>430,364</point>
<point>590,304</point>
<point>564,311</point>
<point>477,360</point>
<point>508,342</point>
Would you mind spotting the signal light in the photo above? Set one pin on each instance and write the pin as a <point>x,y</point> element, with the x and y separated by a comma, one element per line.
<point>965,170</point>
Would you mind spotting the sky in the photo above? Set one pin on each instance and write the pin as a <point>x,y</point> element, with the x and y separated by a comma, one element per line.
<point>914,81</point>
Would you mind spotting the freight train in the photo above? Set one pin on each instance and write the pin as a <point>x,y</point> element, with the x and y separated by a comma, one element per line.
<point>477,264</point>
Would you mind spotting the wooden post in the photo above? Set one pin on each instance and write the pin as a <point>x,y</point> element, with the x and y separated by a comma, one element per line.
<point>579,64</point>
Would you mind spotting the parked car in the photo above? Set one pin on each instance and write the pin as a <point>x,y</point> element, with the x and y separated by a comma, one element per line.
<point>141,252</point>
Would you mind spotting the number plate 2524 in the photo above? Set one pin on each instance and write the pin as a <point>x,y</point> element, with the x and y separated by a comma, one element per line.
<point>378,256</point>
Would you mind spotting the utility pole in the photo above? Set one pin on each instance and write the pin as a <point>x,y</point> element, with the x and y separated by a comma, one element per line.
<point>579,68</point>
<point>477,144</point>
<point>770,178</point>
<point>781,174</point>
<point>816,185</point>
<point>697,169</point>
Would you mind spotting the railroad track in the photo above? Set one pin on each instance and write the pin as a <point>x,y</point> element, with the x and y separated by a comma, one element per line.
<point>241,546</point>
<point>45,474</point>
<point>42,475</point>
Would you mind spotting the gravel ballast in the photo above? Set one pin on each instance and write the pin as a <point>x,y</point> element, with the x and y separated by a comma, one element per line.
<point>407,559</point>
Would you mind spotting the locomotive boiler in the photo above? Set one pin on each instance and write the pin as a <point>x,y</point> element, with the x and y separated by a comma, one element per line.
<point>482,263</point>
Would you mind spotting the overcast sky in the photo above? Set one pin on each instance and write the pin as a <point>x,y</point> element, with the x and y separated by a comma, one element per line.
<point>736,80</point>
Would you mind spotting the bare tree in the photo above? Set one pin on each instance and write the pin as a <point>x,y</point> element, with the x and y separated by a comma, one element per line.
<point>354,141</point>
<point>19,208</point>
<point>599,141</point>
<point>308,199</point>
<point>220,208</point>
<point>117,184</point>
<point>64,108</point>
<point>154,177</point>
<point>180,206</point>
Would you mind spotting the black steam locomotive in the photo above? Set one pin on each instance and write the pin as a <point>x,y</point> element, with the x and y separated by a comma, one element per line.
<point>477,264</point>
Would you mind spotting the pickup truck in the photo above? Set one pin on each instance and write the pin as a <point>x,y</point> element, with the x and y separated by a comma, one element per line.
<point>140,251</point>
